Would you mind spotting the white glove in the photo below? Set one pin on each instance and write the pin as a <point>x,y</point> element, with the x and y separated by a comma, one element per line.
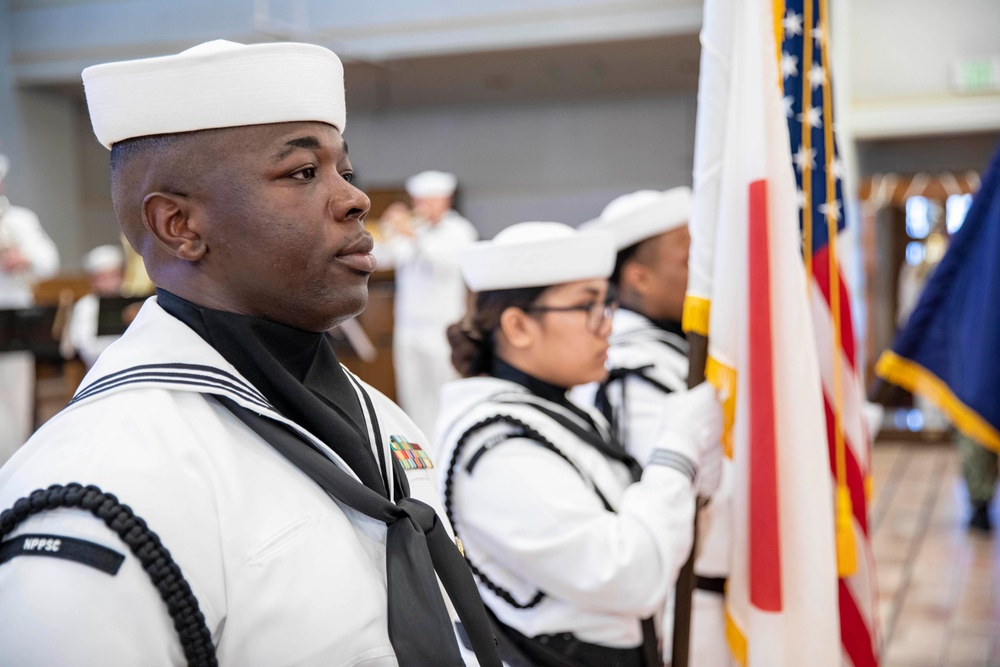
<point>689,439</point>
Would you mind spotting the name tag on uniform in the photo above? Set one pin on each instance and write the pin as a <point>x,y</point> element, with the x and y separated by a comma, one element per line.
<point>59,546</point>
<point>409,454</point>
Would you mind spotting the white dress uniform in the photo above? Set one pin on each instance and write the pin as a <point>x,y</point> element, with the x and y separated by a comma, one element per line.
<point>283,574</point>
<point>636,401</point>
<point>20,229</point>
<point>533,522</point>
<point>430,295</point>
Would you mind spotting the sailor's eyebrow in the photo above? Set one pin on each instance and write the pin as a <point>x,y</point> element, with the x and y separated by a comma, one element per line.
<point>299,142</point>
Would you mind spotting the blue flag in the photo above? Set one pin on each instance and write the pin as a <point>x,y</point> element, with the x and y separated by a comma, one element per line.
<point>949,351</point>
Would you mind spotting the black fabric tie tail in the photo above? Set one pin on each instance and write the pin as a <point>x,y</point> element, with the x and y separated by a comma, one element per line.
<point>420,523</point>
<point>415,625</point>
<point>417,547</point>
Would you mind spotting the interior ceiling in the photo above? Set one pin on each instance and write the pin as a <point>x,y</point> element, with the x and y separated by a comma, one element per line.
<point>574,71</point>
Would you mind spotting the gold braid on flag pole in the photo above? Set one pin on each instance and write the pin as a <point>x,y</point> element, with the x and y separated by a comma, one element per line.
<point>778,9</point>
<point>807,221</point>
<point>847,559</point>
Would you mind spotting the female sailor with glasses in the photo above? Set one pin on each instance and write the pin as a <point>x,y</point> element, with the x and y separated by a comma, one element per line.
<point>574,543</point>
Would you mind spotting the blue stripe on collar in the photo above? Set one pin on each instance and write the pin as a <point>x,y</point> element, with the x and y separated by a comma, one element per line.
<point>207,377</point>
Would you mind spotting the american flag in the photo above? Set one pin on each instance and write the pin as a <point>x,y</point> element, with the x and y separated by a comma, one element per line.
<point>803,31</point>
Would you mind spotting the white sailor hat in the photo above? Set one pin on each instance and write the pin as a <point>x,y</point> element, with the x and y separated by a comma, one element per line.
<point>215,84</point>
<point>431,184</point>
<point>103,258</point>
<point>537,254</point>
<point>642,215</point>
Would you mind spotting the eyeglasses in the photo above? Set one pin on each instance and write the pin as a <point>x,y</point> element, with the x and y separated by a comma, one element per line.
<point>597,313</point>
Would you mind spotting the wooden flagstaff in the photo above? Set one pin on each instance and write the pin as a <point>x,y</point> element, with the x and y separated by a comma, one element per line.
<point>697,358</point>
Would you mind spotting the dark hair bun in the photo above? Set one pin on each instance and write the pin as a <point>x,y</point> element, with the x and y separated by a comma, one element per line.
<point>470,353</point>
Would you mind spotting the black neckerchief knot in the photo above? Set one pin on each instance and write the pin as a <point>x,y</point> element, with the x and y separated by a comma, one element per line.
<point>417,546</point>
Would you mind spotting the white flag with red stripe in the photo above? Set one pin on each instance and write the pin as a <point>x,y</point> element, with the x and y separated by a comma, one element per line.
<point>748,293</point>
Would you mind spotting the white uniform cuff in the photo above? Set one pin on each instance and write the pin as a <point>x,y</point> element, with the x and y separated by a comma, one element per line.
<point>675,460</point>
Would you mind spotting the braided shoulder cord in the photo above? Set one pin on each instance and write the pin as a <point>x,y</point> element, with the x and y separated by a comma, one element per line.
<point>523,431</point>
<point>196,640</point>
<point>448,490</point>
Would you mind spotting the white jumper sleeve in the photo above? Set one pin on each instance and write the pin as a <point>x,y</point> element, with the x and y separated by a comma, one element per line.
<point>532,513</point>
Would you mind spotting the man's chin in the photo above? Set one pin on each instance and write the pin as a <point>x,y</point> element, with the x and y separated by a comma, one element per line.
<point>349,308</point>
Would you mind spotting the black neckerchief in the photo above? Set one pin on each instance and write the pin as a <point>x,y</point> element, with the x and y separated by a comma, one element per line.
<point>592,435</point>
<point>550,392</point>
<point>673,326</point>
<point>297,371</point>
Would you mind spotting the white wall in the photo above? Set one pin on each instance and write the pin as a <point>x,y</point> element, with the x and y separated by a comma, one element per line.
<point>559,162</point>
<point>904,48</point>
<point>898,55</point>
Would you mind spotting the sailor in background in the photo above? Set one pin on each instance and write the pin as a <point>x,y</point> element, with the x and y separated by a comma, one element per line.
<point>287,491</point>
<point>104,267</point>
<point>575,542</point>
<point>27,255</point>
<point>648,368</point>
<point>424,246</point>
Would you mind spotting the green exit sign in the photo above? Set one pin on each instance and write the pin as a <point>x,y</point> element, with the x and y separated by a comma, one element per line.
<point>976,75</point>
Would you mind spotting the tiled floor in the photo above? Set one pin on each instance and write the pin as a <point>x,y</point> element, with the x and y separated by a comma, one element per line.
<point>939,584</point>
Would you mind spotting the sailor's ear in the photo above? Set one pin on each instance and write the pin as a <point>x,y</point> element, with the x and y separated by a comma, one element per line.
<point>518,327</point>
<point>175,222</point>
<point>636,277</point>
